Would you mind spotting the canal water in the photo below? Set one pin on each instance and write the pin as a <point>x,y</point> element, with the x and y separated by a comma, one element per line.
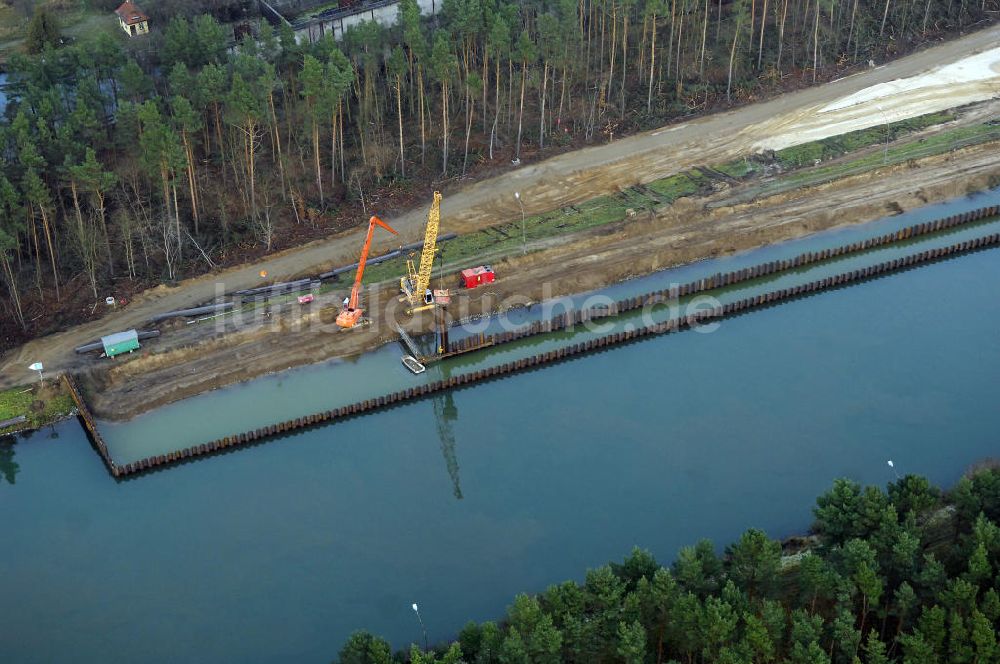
<point>277,552</point>
<point>302,391</point>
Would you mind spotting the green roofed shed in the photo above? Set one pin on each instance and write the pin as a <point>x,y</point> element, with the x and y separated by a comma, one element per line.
<point>120,342</point>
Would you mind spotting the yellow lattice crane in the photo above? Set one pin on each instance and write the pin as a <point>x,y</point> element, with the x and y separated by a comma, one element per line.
<point>416,284</point>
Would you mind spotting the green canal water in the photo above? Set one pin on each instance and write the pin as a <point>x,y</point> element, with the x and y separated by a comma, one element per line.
<point>277,552</point>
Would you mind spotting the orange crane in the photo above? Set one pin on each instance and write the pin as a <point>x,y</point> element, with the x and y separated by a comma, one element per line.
<point>351,314</point>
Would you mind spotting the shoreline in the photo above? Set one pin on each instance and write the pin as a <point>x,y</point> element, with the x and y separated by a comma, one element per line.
<point>778,560</point>
<point>630,249</point>
<point>46,404</point>
<point>33,428</point>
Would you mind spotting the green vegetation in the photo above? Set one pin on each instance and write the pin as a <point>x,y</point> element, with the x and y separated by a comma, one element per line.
<point>938,143</point>
<point>807,154</point>
<point>27,25</point>
<point>43,31</point>
<point>908,574</point>
<point>87,25</point>
<point>835,146</point>
<point>155,158</point>
<point>42,404</point>
<point>680,185</point>
<point>738,168</point>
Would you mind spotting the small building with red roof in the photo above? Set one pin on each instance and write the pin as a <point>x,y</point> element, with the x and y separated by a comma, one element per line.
<point>132,19</point>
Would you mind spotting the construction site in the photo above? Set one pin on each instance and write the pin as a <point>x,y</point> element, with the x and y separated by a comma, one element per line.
<point>268,329</point>
<point>558,332</point>
<point>578,222</point>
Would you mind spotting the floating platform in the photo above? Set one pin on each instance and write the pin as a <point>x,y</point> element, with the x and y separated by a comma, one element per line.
<point>411,363</point>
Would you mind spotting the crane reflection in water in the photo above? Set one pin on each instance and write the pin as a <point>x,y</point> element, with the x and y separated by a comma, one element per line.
<point>445,413</point>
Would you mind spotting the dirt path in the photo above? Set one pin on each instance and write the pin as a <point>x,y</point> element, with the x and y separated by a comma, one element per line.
<point>556,182</point>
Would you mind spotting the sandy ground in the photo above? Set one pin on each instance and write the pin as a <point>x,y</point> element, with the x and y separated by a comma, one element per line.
<point>688,230</point>
<point>567,179</point>
<point>964,81</point>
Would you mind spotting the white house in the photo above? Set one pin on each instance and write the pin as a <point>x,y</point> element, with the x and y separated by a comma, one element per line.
<point>132,19</point>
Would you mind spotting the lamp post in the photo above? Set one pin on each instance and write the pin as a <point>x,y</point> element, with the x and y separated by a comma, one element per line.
<point>37,366</point>
<point>421,621</point>
<point>524,244</point>
<point>885,118</point>
<point>893,466</point>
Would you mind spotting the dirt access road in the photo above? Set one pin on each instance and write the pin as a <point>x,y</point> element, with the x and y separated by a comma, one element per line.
<point>580,175</point>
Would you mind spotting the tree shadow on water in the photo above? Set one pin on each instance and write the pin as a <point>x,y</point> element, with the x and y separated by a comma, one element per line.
<point>8,467</point>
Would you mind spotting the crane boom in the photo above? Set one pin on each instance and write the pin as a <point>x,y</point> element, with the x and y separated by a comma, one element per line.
<point>364,257</point>
<point>430,245</point>
<point>415,285</point>
<point>351,313</point>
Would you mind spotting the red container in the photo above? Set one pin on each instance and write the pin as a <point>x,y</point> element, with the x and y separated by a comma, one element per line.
<point>476,276</point>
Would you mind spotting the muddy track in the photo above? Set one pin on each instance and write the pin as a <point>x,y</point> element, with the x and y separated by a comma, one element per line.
<point>557,182</point>
<point>686,231</point>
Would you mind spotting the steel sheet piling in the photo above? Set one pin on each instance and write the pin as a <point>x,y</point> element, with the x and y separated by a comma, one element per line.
<point>593,344</point>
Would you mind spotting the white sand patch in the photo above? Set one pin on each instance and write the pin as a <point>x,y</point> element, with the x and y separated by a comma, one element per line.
<point>971,79</point>
<point>979,67</point>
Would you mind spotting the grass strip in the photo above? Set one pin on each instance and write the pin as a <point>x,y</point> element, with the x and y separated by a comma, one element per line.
<point>42,404</point>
